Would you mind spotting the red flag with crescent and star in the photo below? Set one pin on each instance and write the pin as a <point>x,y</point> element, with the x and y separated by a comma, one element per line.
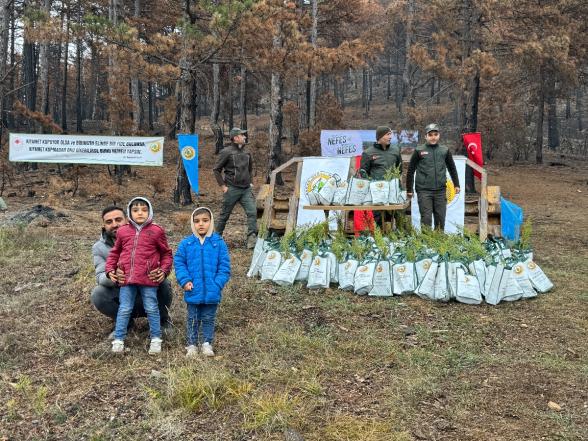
<point>473,144</point>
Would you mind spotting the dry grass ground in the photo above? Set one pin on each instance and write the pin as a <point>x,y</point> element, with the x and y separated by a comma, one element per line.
<point>327,364</point>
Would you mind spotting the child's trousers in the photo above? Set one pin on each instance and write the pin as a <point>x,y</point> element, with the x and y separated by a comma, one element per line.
<point>204,315</point>
<point>127,302</point>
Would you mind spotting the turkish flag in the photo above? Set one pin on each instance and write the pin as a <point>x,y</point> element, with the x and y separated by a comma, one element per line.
<point>362,220</point>
<point>473,144</point>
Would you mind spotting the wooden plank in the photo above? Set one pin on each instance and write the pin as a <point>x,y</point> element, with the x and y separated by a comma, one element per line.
<point>494,220</point>
<point>357,207</point>
<point>495,230</point>
<point>493,192</point>
<point>261,195</point>
<point>269,201</point>
<point>293,206</point>
<point>268,211</point>
<point>278,224</point>
<point>483,216</point>
<point>475,166</point>
<point>473,208</point>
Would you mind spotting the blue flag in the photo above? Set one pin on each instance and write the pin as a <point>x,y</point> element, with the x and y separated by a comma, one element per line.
<point>188,145</point>
<point>511,219</point>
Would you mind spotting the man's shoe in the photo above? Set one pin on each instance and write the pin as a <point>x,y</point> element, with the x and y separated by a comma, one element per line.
<point>118,346</point>
<point>155,346</point>
<point>251,240</point>
<point>191,351</point>
<point>207,350</point>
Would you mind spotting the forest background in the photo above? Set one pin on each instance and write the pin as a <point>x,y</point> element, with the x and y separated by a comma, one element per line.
<point>513,70</point>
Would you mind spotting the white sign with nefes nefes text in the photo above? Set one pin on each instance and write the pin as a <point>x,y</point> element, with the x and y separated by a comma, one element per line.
<point>86,149</point>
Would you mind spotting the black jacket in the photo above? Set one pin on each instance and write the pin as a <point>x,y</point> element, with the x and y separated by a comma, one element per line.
<point>375,160</point>
<point>237,165</point>
<point>430,162</point>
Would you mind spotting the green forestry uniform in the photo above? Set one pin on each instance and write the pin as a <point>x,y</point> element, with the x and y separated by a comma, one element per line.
<point>430,162</point>
<point>234,168</point>
<point>376,159</point>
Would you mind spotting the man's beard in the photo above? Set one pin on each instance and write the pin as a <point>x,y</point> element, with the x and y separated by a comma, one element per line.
<point>109,236</point>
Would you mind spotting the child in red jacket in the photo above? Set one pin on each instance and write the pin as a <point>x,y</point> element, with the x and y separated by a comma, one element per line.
<point>140,247</point>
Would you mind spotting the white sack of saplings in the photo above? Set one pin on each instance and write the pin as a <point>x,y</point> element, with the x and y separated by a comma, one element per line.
<point>430,264</point>
<point>357,190</point>
<point>521,275</point>
<point>288,270</point>
<point>379,191</point>
<point>495,285</point>
<point>368,199</point>
<point>452,278</point>
<point>382,283</point>
<point>394,195</point>
<point>538,278</point>
<point>258,258</point>
<point>271,264</point>
<point>333,267</point>
<point>442,293</point>
<point>319,274</point>
<point>305,262</point>
<point>478,269</point>
<point>403,278</point>
<point>392,175</point>
<point>364,277</point>
<point>467,287</point>
<point>340,193</point>
<point>426,288</point>
<point>421,266</point>
<point>347,274</point>
<point>512,289</point>
<point>326,193</point>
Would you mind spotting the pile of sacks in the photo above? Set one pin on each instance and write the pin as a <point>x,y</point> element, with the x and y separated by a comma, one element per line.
<point>469,273</point>
<point>359,190</point>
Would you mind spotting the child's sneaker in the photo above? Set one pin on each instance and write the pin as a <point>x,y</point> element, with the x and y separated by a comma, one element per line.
<point>118,346</point>
<point>207,350</point>
<point>191,351</point>
<point>155,346</point>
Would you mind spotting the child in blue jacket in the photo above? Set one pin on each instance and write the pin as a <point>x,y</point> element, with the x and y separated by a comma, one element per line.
<point>203,268</point>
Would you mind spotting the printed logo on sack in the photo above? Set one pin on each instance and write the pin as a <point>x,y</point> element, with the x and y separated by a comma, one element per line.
<point>155,147</point>
<point>532,265</point>
<point>466,279</point>
<point>379,268</point>
<point>272,256</point>
<point>379,185</point>
<point>348,265</point>
<point>362,269</point>
<point>304,255</point>
<point>401,269</point>
<point>317,181</point>
<point>188,153</point>
<point>426,265</point>
<point>518,269</point>
<point>317,261</point>
<point>360,185</point>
